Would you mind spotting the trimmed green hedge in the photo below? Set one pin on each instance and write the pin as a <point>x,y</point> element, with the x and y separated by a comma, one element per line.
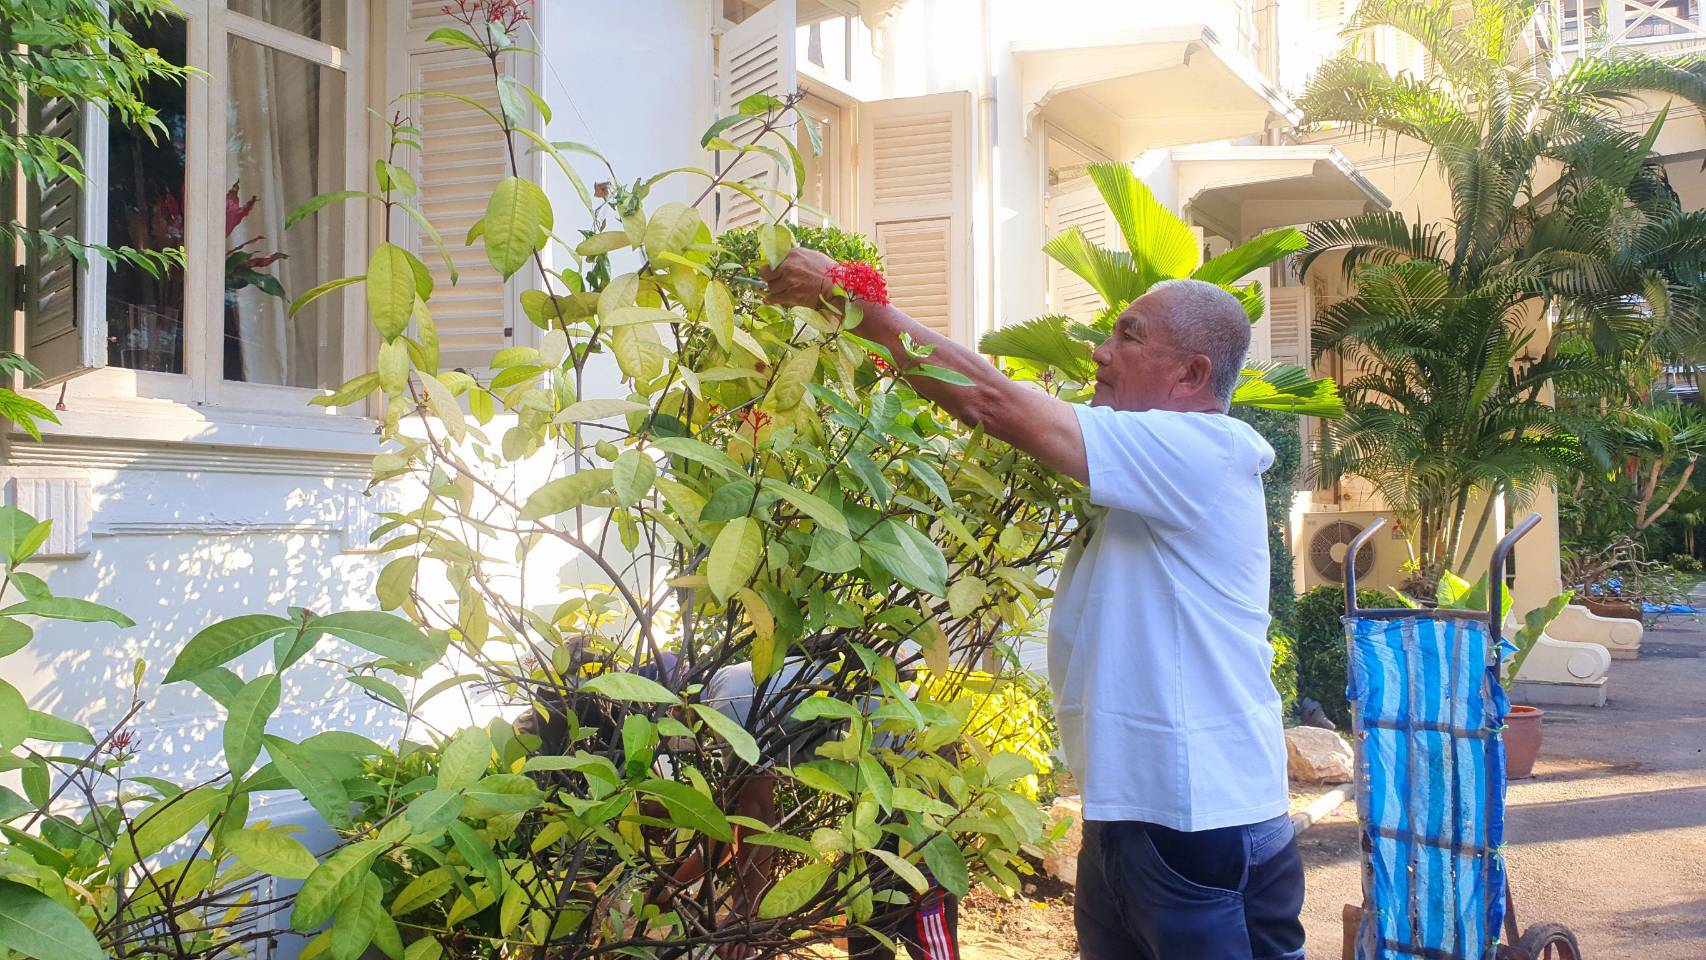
<point>1321,646</point>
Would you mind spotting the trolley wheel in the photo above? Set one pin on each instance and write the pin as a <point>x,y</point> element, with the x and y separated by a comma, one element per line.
<point>1548,941</point>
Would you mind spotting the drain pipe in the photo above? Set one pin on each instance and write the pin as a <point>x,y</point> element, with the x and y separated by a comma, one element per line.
<point>987,172</point>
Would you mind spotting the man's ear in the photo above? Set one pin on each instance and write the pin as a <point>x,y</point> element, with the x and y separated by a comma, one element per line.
<point>1194,377</point>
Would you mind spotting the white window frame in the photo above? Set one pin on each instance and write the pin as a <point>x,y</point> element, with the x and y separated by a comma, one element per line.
<point>209,24</point>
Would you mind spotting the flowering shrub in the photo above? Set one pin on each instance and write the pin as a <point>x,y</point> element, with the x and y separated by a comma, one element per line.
<point>861,281</point>
<point>755,500</point>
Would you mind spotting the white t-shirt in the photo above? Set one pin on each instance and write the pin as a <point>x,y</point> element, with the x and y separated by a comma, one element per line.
<point>1158,648</point>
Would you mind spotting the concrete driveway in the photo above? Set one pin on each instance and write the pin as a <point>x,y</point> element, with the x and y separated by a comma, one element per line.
<point>1609,837</point>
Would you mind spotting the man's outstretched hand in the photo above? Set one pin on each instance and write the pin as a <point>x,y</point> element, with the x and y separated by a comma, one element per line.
<point>800,280</point>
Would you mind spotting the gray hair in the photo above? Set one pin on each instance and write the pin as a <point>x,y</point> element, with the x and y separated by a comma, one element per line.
<point>1204,318</point>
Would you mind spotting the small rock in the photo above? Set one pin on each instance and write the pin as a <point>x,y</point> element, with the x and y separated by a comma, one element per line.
<point>1061,862</point>
<point>1314,755</point>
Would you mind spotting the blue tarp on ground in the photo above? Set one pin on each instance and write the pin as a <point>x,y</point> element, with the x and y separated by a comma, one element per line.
<point>1428,713</point>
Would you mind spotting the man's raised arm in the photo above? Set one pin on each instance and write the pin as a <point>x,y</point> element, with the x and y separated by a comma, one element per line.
<point>1031,420</point>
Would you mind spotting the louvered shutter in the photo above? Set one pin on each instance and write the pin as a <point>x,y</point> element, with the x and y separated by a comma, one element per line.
<point>64,316</point>
<point>1288,325</point>
<point>754,56</point>
<point>462,158</point>
<point>915,204</point>
<point>1079,205</point>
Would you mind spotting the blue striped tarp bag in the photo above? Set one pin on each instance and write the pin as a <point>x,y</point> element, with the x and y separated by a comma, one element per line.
<point>1428,714</point>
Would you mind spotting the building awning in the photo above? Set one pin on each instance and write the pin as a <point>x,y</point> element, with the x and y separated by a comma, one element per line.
<point>1171,86</point>
<point>1240,191</point>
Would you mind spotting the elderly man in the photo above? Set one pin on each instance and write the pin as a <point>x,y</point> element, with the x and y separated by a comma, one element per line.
<point>1158,648</point>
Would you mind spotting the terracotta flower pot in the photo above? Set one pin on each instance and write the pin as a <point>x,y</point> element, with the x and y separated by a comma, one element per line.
<point>1623,607</point>
<point>1522,741</point>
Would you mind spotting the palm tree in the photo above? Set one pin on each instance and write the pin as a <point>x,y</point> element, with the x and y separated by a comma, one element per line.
<point>1159,246</point>
<point>1554,207</point>
<point>1446,403</point>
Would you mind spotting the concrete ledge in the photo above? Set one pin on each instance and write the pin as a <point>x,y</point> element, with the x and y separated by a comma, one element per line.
<point>1589,693</point>
<point>1324,804</point>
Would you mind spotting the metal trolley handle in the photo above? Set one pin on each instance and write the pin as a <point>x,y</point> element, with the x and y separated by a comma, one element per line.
<point>1495,577</point>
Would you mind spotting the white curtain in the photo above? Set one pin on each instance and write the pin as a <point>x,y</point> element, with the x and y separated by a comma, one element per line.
<point>278,151</point>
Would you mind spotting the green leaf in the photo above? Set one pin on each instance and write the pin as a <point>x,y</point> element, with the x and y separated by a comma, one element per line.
<point>246,722</point>
<point>167,821</point>
<point>632,476</point>
<point>794,891</point>
<point>672,228</point>
<point>832,553</point>
<point>271,852</point>
<point>518,218</point>
<point>737,736</point>
<point>476,851</point>
<point>421,891</point>
<point>385,634</point>
<point>567,493</point>
<point>500,794</point>
<point>223,642</point>
<point>314,204</point>
<point>1005,767</point>
<point>14,716</point>
<point>313,776</point>
<point>811,505</point>
<point>383,689</point>
<point>305,299</point>
<point>689,808</point>
<point>601,243</point>
<point>699,452</point>
<point>442,401</point>
<point>619,685</point>
<point>35,925</point>
<point>588,411</point>
<point>1161,244</point>
<point>966,595</point>
<point>734,556</point>
<point>1252,254</point>
<point>909,555</point>
<point>911,874</point>
<point>47,727</point>
<point>391,289</point>
<point>356,919</point>
<point>432,812</point>
<point>466,758</point>
<point>450,36</point>
<point>21,535</point>
<point>220,684</point>
<point>13,806</point>
<point>1044,342</point>
<point>789,386</point>
<point>947,864</point>
<point>331,883</point>
<point>397,581</point>
<point>774,242</point>
<point>68,608</point>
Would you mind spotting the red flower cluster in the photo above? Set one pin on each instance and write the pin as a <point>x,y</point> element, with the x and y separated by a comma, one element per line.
<point>123,742</point>
<point>505,13</point>
<point>860,281</point>
<point>756,419</point>
<point>881,364</point>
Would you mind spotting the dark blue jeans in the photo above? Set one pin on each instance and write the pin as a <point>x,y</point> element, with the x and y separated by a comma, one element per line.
<point>1146,892</point>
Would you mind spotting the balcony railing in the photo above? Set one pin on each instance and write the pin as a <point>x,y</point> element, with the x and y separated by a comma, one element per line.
<point>1595,26</point>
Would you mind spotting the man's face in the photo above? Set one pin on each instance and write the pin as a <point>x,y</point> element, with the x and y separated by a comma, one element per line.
<point>1138,367</point>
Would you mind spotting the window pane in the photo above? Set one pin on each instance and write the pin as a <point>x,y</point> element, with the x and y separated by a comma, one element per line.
<point>322,20</point>
<point>145,210</point>
<point>285,145</point>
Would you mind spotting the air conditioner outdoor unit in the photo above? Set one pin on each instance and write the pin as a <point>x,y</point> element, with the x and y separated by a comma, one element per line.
<point>1323,550</point>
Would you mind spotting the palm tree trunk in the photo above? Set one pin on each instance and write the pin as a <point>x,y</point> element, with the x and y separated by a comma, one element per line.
<point>1481,526</point>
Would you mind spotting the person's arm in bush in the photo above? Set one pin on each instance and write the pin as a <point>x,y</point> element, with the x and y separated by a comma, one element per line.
<point>1029,419</point>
